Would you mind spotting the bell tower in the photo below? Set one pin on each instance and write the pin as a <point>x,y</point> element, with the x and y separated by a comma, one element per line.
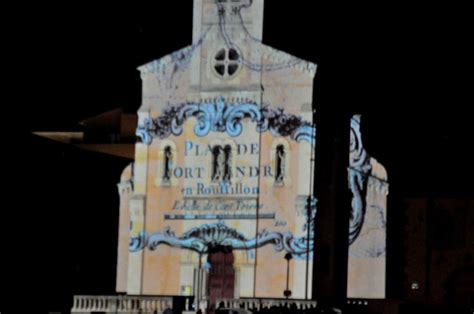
<point>227,35</point>
<point>239,15</point>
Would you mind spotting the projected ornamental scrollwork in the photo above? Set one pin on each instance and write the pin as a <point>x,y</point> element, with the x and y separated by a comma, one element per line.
<point>200,239</point>
<point>220,116</point>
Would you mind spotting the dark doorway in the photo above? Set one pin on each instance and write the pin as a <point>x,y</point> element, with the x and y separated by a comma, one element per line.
<point>221,275</point>
<point>458,288</point>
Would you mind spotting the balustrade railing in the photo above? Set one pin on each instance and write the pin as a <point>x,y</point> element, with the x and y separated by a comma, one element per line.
<point>151,305</point>
<point>249,304</point>
<point>121,304</point>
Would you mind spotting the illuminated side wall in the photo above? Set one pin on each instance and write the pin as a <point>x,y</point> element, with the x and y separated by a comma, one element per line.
<point>367,180</point>
<point>125,188</point>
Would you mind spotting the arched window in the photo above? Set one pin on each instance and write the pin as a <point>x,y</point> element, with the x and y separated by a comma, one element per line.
<point>280,164</point>
<point>228,163</point>
<point>221,163</point>
<point>167,164</point>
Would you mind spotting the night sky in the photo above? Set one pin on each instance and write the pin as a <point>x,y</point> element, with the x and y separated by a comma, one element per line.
<point>407,69</point>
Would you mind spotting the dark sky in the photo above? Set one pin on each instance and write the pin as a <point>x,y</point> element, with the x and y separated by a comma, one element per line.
<point>407,68</point>
<point>394,60</point>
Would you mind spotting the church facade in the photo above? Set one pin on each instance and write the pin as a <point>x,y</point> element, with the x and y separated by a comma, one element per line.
<point>219,200</point>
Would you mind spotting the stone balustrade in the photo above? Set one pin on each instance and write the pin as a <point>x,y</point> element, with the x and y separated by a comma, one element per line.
<point>121,304</point>
<point>249,304</point>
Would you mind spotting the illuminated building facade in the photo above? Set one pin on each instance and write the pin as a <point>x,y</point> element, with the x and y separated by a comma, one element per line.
<point>219,200</point>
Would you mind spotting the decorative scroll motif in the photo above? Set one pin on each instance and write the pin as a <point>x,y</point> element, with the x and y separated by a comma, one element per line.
<point>375,233</point>
<point>223,117</point>
<point>358,172</point>
<point>201,238</point>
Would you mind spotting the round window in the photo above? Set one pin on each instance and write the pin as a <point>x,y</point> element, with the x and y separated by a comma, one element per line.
<point>226,63</point>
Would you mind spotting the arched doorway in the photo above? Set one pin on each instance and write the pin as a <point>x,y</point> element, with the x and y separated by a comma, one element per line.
<point>221,280</point>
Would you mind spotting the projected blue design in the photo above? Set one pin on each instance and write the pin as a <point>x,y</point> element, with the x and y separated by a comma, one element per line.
<point>218,117</point>
<point>223,117</point>
<point>202,238</point>
<point>358,171</point>
<point>144,131</point>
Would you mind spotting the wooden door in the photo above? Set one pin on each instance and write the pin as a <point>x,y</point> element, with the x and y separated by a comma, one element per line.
<point>221,276</point>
